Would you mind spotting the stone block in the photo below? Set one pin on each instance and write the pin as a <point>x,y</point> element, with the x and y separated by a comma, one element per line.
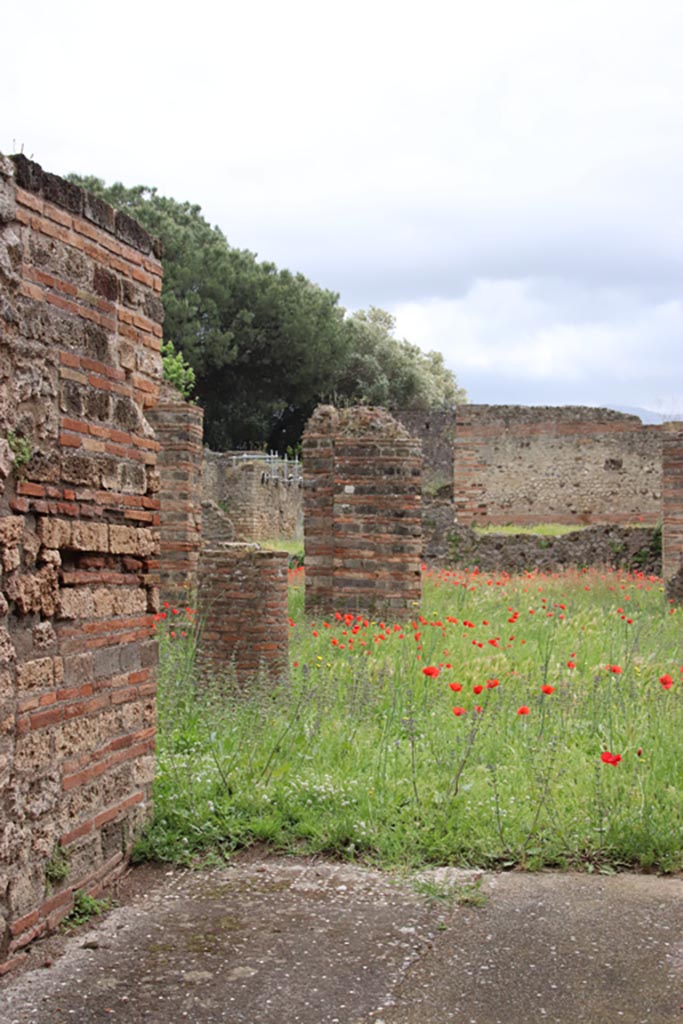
<point>90,536</point>
<point>35,675</point>
<point>55,533</point>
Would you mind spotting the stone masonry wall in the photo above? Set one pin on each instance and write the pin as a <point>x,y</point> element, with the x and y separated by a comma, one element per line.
<point>178,427</point>
<point>362,525</point>
<point>436,433</point>
<point>262,498</point>
<point>567,464</point>
<point>243,601</point>
<point>80,334</point>
<point>672,510</point>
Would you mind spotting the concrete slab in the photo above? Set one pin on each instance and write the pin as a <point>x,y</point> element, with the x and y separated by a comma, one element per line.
<point>278,941</point>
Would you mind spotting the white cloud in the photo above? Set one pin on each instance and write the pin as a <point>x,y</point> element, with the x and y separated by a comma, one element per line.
<point>526,337</point>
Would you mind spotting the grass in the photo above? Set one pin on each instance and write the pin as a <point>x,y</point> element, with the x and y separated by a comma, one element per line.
<point>294,548</point>
<point>361,756</point>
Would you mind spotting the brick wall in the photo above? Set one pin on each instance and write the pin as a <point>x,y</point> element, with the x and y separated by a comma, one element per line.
<point>262,497</point>
<point>672,509</point>
<point>243,602</point>
<point>178,427</point>
<point>568,464</point>
<point>362,522</point>
<point>80,333</point>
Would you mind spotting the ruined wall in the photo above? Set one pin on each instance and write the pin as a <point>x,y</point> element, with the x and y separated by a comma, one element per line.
<point>672,510</point>
<point>178,427</point>
<point>243,601</point>
<point>262,496</point>
<point>566,464</point>
<point>80,332</point>
<point>362,524</point>
<point>636,549</point>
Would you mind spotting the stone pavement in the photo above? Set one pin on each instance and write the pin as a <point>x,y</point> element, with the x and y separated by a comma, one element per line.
<point>294,941</point>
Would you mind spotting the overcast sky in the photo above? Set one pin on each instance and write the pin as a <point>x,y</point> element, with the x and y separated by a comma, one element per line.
<point>503,176</point>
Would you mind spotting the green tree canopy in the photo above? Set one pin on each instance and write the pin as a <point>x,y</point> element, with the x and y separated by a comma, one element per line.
<point>267,345</point>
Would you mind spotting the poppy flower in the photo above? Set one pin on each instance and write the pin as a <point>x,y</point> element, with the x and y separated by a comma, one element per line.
<point>524,710</point>
<point>478,708</point>
<point>571,664</point>
<point>456,687</point>
<point>609,758</point>
<point>614,669</point>
<point>666,681</point>
<point>459,711</point>
<point>491,684</point>
<point>547,689</point>
<point>477,689</point>
<point>430,670</point>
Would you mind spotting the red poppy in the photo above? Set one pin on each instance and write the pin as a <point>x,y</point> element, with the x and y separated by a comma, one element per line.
<point>459,711</point>
<point>477,689</point>
<point>548,689</point>
<point>456,687</point>
<point>478,708</point>
<point>491,684</point>
<point>430,670</point>
<point>614,669</point>
<point>524,710</point>
<point>666,681</point>
<point>571,664</point>
<point>609,758</point>
<point>639,752</point>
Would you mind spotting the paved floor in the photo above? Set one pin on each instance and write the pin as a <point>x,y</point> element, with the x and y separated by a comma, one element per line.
<point>279,941</point>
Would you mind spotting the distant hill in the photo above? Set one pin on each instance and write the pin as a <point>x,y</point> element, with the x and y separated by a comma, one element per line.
<point>646,415</point>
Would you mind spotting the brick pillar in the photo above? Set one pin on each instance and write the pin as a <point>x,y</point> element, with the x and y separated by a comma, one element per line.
<point>362,511</point>
<point>672,509</point>
<point>80,364</point>
<point>243,609</point>
<point>179,431</point>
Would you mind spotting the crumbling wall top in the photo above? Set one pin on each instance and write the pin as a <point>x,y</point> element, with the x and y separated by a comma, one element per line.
<point>359,421</point>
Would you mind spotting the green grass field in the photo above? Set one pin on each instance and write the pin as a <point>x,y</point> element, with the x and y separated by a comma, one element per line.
<point>533,721</point>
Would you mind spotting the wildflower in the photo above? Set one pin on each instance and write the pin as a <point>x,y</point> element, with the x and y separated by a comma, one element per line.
<point>547,689</point>
<point>571,664</point>
<point>491,684</point>
<point>524,710</point>
<point>639,752</point>
<point>430,670</point>
<point>614,669</point>
<point>477,689</point>
<point>456,687</point>
<point>478,708</point>
<point>666,681</point>
<point>459,711</point>
<point>609,758</point>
